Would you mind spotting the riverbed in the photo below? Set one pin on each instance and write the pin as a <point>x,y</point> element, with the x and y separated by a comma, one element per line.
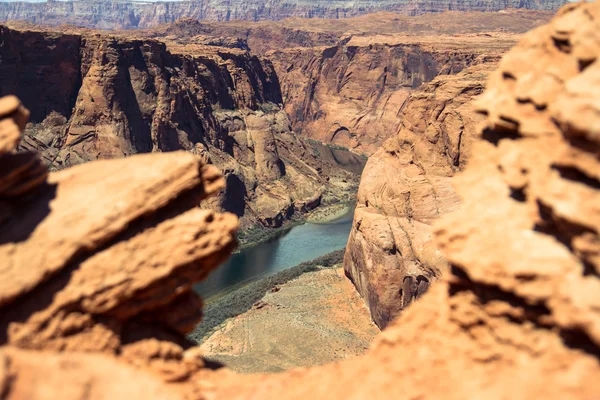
<point>291,247</point>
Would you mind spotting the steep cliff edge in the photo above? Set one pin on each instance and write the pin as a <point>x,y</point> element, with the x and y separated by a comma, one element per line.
<point>346,81</point>
<point>405,187</point>
<point>97,96</point>
<point>517,313</point>
<point>353,94</point>
<point>515,317</point>
<point>104,14</point>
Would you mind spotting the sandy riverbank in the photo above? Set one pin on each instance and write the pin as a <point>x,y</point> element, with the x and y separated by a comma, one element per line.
<point>315,318</point>
<point>330,213</point>
<point>239,299</point>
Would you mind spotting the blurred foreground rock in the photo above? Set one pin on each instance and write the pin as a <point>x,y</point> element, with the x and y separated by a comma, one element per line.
<point>101,258</point>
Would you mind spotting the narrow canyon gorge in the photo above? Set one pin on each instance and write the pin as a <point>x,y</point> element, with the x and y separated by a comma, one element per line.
<point>411,190</point>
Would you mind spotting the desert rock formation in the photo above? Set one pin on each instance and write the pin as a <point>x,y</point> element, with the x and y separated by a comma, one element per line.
<point>98,260</point>
<point>346,81</point>
<point>405,187</point>
<point>100,96</point>
<point>103,14</point>
<point>353,94</point>
<point>515,317</point>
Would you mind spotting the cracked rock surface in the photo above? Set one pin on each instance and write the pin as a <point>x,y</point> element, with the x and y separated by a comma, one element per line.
<point>101,258</point>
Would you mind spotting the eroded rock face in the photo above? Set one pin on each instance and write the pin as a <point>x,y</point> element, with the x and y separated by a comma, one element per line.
<point>97,96</point>
<point>126,15</point>
<point>353,94</point>
<point>515,317</point>
<point>541,163</point>
<point>406,185</point>
<point>346,81</point>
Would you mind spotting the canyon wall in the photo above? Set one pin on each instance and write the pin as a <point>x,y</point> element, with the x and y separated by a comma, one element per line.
<point>104,14</point>
<point>353,94</point>
<point>516,315</point>
<point>96,294</point>
<point>95,96</point>
<point>406,185</point>
<point>345,81</point>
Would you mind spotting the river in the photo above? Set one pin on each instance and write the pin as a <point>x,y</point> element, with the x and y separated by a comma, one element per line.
<point>292,247</point>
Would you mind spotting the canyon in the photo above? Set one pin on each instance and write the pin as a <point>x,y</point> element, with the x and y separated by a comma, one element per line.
<point>243,98</point>
<point>104,14</point>
<point>97,290</point>
<point>275,106</point>
<point>393,90</point>
<point>345,81</point>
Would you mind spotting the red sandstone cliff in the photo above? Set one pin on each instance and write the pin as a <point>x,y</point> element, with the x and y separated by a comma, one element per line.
<point>353,94</point>
<point>405,187</point>
<point>96,96</point>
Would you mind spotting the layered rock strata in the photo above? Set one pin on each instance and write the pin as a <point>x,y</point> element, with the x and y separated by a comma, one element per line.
<point>353,94</point>
<point>515,317</point>
<point>96,96</point>
<point>345,81</point>
<point>127,15</point>
<point>265,36</point>
<point>406,186</point>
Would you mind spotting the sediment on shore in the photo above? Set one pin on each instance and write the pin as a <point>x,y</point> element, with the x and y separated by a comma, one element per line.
<point>240,299</point>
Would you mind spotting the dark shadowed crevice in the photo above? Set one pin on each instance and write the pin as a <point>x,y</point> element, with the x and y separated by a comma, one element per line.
<point>518,195</point>
<point>494,136</point>
<point>576,175</point>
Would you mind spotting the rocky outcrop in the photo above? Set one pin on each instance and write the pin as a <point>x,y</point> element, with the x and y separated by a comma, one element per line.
<point>105,14</point>
<point>405,187</point>
<point>97,260</point>
<point>353,94</point>
<point>95,96</point>
<point>515,317</point>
